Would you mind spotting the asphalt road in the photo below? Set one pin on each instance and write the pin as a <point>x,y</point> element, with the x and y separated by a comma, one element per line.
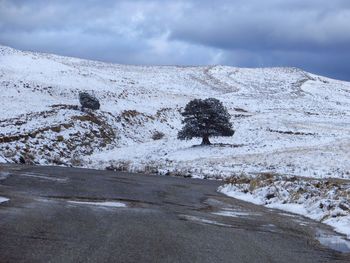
<point>56,215</point>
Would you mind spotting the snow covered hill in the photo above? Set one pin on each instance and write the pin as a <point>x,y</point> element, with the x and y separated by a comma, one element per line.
<point>288,123</point>
<point>287,120</point>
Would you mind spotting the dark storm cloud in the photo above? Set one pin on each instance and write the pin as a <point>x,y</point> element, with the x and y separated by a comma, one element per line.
<point>312,34</point>
<point>269,25</point>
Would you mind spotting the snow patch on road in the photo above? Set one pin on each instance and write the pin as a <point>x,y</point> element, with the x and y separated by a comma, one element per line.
<point>235,213</point>
<point>337,243</point>
<point>3,199</point>
<point>340,224</point>
<point>203,220</point>
<point>292,208</point>
<point>103,204</point>
<point>4,175</point>
<point>34,175</point>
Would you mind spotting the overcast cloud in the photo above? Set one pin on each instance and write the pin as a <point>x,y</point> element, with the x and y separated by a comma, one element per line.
<point>310,34</point>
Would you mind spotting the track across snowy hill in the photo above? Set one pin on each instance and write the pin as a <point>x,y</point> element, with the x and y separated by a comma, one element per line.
<point>287,121</point>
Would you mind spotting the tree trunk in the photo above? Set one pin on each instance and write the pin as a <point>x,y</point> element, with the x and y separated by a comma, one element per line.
<point>205,140</point>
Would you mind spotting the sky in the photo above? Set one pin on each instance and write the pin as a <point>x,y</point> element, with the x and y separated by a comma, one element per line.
<point>310,34</point>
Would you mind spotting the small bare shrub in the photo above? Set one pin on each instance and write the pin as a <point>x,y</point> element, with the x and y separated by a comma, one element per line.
<point>88,101</point>
<point>158,135</point>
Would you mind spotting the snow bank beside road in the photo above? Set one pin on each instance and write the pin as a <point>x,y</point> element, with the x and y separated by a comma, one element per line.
<point>327,201</point>
<point>2,159</point>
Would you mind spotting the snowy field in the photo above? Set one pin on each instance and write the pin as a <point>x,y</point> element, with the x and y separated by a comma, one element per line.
<point>288,122</point>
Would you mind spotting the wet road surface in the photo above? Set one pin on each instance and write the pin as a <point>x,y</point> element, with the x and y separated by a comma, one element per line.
<point>59,214</point>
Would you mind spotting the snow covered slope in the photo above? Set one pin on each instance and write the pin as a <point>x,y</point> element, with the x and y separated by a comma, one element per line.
<point>287,121</point>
